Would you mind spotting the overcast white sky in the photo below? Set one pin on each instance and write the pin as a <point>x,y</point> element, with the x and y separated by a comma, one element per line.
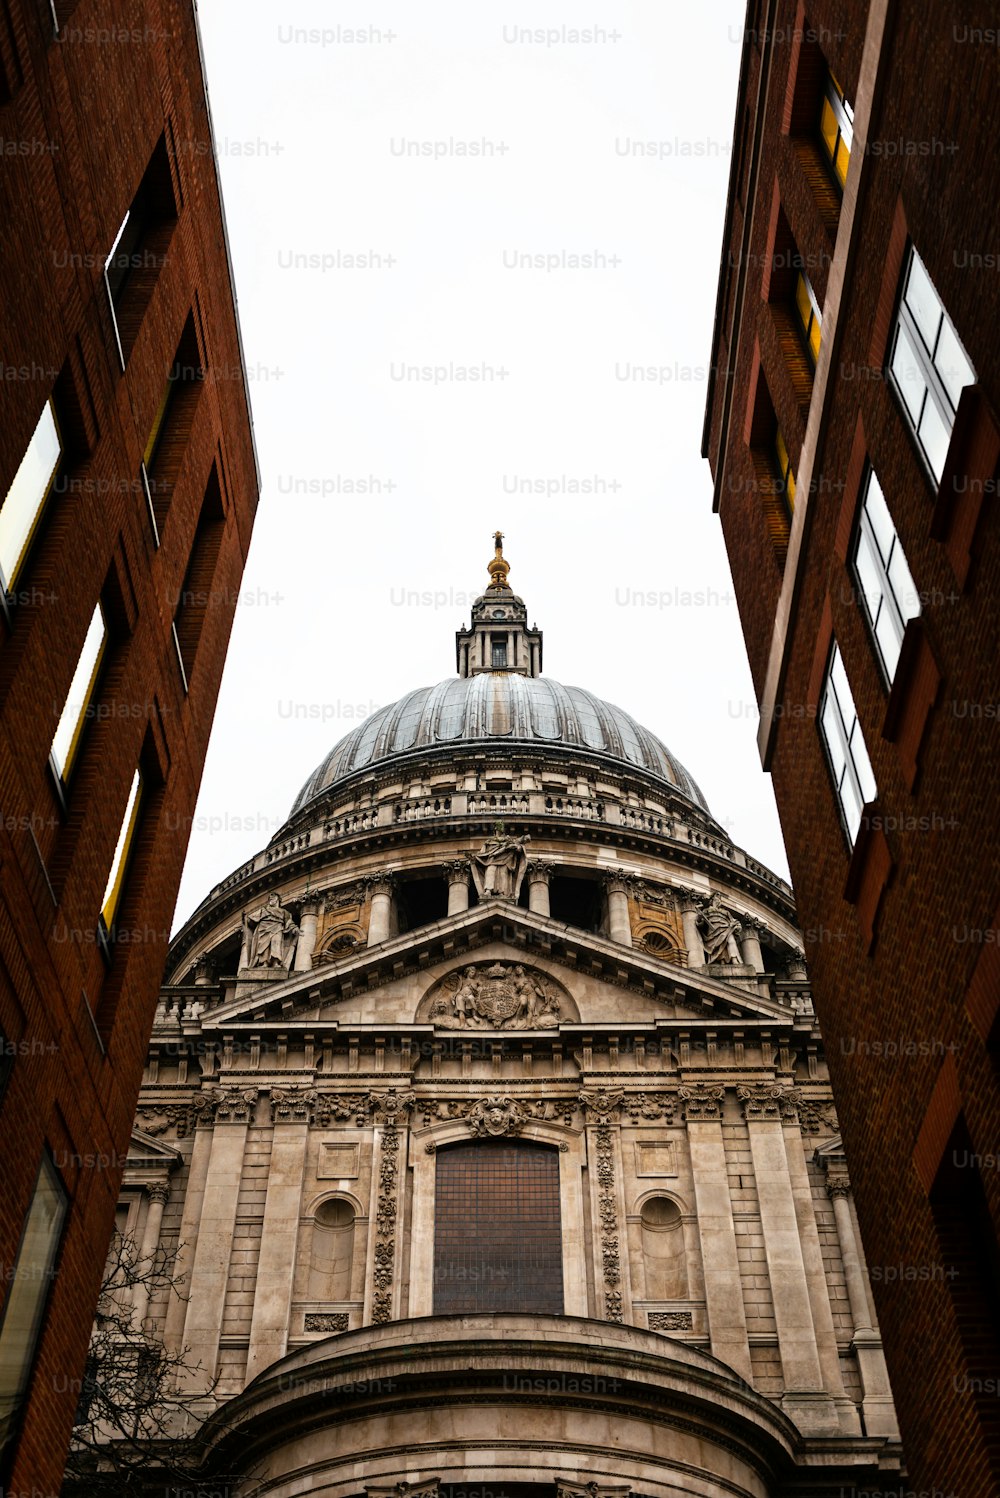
<point>615,147</point>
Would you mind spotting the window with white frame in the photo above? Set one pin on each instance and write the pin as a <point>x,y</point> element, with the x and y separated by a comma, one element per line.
<point>929,366</point>
<point>123,848</point>
<point>885,582</point>
<point>22,508</point>
<point>69,729</point>
<point>27,1292</point>
<point>844,742</point>
<point>836,127</point>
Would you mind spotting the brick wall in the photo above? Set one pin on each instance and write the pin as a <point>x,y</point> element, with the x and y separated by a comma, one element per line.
<point>897,961</point>
<point>86,112</point>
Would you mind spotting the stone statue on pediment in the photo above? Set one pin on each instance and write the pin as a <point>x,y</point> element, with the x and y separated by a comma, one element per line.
<point>269,937</point>
<point>500,865</point>
<point>719,929</point>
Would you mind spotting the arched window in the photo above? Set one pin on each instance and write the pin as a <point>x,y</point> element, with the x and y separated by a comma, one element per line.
<point>497,1231</point>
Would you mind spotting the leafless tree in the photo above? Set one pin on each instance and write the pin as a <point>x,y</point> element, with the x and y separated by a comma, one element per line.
<point>137,1421</point>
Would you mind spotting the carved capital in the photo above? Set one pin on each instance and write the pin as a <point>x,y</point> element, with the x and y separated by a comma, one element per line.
<point>458,872</point>
<point>158,1191</point>
<point>224,1105</point>
<point>540,872</point>
<point>293,1105</point>
<point>391,1108</point>
<point>702,1102</point>
<point>767,1103</point>
<point>601,1105</point>
<point>838,1185</point>
<point>378,884</point>
<point>616,884</point>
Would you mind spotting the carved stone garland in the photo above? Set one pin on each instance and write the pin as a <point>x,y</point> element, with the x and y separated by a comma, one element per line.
<point>390,1109</point>
<point>603,1105</point>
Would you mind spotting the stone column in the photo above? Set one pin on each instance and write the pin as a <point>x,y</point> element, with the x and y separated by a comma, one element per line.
<point>819,1290</point>
<point>206,1288</point>
<point>457,875</point>
<point>690,905</point>
<point>620,927</point>
<point>752,954</point>
<point>805,1399</point>
<point>879,1411</point>
<point>727,1322</point>
<point>539,875</point>
<point>187,1242</point>
<point>306,945</point>
<point>380,890</point>
<point>157,1194</point>
<point>282,1207</point>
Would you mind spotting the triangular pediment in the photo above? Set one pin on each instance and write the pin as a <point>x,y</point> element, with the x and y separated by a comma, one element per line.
<point>502,932</point>
<point>144,1151</point>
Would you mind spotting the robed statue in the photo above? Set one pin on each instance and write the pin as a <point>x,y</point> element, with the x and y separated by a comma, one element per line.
<point>499,866</point>
<point>720,929</point>
<point>269,937</point>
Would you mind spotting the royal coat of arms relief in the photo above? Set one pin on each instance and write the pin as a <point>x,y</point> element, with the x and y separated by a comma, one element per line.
<point>495,996</point>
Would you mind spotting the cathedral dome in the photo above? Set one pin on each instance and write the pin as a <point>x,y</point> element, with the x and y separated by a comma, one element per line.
<point>493,706</point>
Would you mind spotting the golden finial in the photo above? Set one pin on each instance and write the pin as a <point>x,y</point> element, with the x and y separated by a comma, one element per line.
<point>498,568</point>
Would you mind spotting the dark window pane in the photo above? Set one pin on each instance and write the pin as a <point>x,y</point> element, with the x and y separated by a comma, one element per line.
<point>497,1236</point>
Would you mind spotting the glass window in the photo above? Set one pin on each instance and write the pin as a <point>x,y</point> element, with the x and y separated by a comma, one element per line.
<point>497,1229</point>
<point>929,367</point>
<point>116,878</point>
<point>809,316</point>
<point>836,127</point>
<point>26,496</point>
<point>499,651</point>
<point>785,469</point>
<point>844,742</point>
<point>26,1297</point>
<point>887,588</point>
<point>81,692</point>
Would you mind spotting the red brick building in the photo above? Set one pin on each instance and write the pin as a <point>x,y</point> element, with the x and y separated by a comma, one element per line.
<point>853,436</point>
<point>128,486</point>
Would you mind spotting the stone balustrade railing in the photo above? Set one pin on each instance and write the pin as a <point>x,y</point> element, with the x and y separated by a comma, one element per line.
<point>351,822</point>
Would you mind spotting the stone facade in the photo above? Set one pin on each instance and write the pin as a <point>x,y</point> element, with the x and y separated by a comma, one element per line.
<point>103,113</point>
<point>716,1316</point>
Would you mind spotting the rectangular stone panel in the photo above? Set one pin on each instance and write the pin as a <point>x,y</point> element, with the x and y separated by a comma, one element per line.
<point>655,1157</point>
<point>338,1162</point>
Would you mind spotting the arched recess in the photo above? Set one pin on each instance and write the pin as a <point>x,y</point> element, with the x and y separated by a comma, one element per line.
<point>664,1252</point>
<point>566,1144</point>
<point>498,1228</point>
<point>331,1243</point>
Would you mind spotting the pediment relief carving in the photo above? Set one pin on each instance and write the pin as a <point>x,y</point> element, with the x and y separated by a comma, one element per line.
<point>496,996</point>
